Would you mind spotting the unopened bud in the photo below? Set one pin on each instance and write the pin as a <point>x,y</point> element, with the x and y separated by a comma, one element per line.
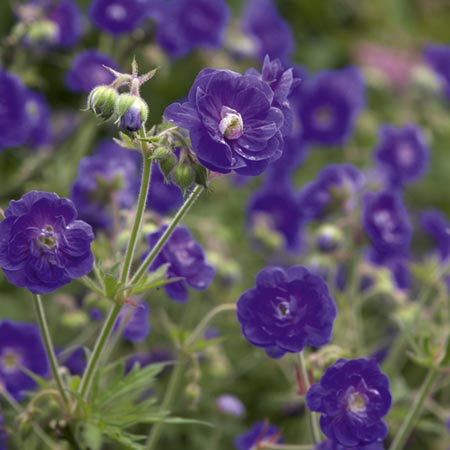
<point>167,164</point>
<point>329,238</point>
<point>42,32</point>
<point>101,101</point>
<point>183,176</point>
<point>131,111</point>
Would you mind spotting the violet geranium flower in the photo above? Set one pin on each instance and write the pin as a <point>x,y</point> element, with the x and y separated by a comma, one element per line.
<point>258,434</point>
<point>333,445</point>
<point>231,121</point>
<point>21,346</point>
<point>287,310</point>
<point>352,396</point>
<point>42,245</point>
<point>187,260</point>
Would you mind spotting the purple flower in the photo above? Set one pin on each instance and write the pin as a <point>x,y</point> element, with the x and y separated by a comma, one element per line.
<point>20,346</point>
<point>287,310</point>
<point>386,222</point>
<point>13,114</point>
<point>276,204</point>
<point>137,326</point>
<point>75,361</point>
<point>87,71</point>
<point>163,197</point>
<point>438,58</point>
<point>105,181</point>
<point>259,433</point>
<point>186,259</point>
<point>42,245</point>
<point>229,404</point>
<point>38,115</point>
<point>231,122</point>
<point>269,32</point>
<point>118,16</point>
<point>184,25</point>
<point>352,396</point>
<point>333,445</point>
<point>335,189</point>
<point>67,17</point>
<point>402,154</point>
<point>329,104</point>
<point>437,226</point>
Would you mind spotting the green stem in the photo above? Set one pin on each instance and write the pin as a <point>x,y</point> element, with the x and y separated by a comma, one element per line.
<point>140,209</point>
<point>172,389</point>
<point>94,360</point>
<point>200,328</point>
<point>312,418</point>
<point>140,273</point>
<point>42,321</point>
<point>414,413</point>
<point>36,428</point>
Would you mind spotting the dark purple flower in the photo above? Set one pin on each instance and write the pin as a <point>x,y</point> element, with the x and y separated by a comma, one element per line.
<point>386,221</point>
<point>3,435</point>
<point>276,206</point>
<point>231,122</point>
<point>186,259</point>
<point>333,445</point>
<point>402,154</point>
<point>438,58</point>
<point>13,113</point>
<point>437,226</point>
<point>287,310</point>
<point>137,326</point>
<point>105,181</point>
<point>352,396</point>
<point>184,25</point>
<point>21,346</point>
<point>87,71</point>
<point>68,19</point>
<point>163,197</point>
<point>75,360</point>
<point>329,104</point>
<point>335,189</point>
<point>229,404</point>
<point>38,115</point>
<point>118,16</point>
<point>259,433</point>
<point>270,33</point>
<point>282,82</point>
<point>42,245</point>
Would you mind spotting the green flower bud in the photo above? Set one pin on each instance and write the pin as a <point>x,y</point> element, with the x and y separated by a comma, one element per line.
<point>167,164</point>
<point>42,32</point>
<point>131,111</point>
<point>183,176</point>
<point>101,101</point>
<point>329,238</point>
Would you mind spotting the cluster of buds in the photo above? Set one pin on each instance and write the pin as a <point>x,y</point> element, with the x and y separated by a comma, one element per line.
<point>127,109</point>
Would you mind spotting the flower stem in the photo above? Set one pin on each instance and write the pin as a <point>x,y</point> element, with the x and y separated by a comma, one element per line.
<point>200,328</point>
<point>142,270</point>
<point>414,413</point>
<point>140,209</point>
<point>36,428</point>
<point>42,321</point>
<point>172,389</point>
<point>88,376</point>
<point>312,418</point>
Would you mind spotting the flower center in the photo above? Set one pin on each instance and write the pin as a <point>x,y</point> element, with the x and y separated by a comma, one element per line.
<point>405,155</point>
<point>323,117</point>
<point>47,238</point>
<point>356,402</point>
<point>231,126</point>
<point>10,361</point>
<point>116,12</point>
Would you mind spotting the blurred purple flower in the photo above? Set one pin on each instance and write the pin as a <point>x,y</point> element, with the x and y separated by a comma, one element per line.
<point>137,326</point>
<point>38,114</point>
<point>333,445</point>
<point>184,25</point>
<point>329,104</point>
<point>402,154</point>
<point>42,245</point>
<point>437,226</point>
<point>87,71</point>
<point>186,259</point>
<point>385,220</point>
<point>21,346</point>
<point>259,433</point>
<point>269,31</point>
<point>75,360</point>
<point>352,396</point>
<point>437,57</point>
<point>231,122</point>
<point>287,310</point>
<point>229,404</point>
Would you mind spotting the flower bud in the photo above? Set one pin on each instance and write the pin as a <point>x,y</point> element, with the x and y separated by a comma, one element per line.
<point>328,239</point>
<point>183,176</point>
<point>167,164</point>
<point>101,101</point>
<point>132,111</point>
<point>42,32</point>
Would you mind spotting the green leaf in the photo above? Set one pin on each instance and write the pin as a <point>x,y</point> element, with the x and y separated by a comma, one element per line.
<point>90,435</point>
<point>205,343</point>
<point>445,360</point>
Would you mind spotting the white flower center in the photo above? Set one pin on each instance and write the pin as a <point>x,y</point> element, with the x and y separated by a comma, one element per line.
<point>10,360</point>
<point>116,12</point>
<point>231,126</point>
